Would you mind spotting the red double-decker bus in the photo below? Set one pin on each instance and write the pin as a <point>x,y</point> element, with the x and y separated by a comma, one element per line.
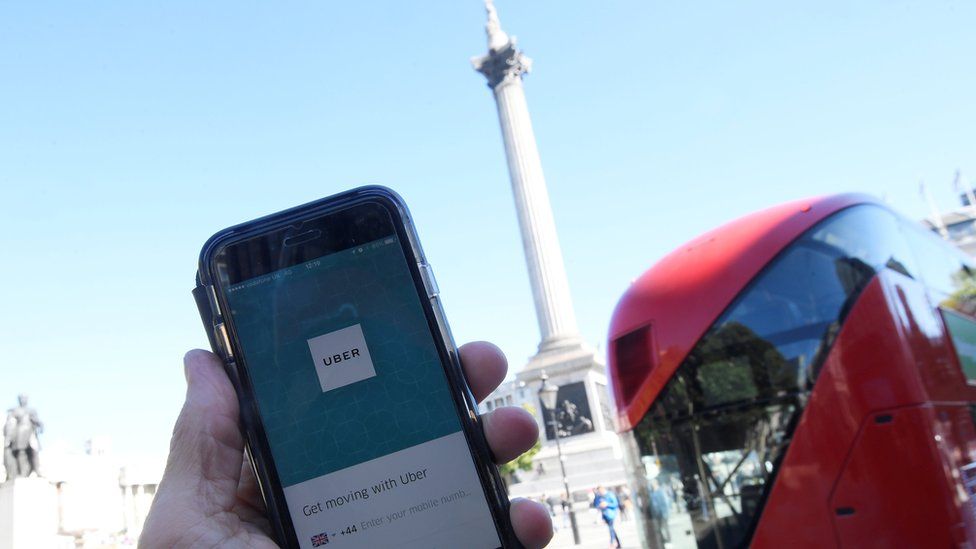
<point>802,377</point>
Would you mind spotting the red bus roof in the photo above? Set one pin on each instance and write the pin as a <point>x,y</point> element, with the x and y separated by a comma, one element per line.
<point>681,296</point>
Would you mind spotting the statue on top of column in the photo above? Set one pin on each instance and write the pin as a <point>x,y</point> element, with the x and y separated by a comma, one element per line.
<point>21,445</point>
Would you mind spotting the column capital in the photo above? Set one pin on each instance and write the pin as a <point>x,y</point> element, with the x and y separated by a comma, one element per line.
<point>503,65</point>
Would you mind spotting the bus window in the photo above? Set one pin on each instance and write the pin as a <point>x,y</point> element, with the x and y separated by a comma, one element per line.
<point>871,235</point>
<point>947,272</point>
<point>714,436</point>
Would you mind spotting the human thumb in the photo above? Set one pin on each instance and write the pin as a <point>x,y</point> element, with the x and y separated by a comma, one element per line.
<point>204,466</point>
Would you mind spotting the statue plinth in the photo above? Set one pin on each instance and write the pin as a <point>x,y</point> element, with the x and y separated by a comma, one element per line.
<point>28,514</point>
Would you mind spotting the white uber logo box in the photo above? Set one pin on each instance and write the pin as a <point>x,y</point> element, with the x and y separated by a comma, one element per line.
<point>341,357</point>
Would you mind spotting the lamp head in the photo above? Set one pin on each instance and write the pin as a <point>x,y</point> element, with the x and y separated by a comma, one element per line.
<point>548,394</point>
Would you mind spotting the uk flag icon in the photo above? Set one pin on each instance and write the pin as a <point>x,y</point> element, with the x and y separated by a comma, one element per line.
<point>319,540</point>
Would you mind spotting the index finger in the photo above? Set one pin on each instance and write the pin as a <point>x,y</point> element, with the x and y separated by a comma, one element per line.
<point>484,366</point>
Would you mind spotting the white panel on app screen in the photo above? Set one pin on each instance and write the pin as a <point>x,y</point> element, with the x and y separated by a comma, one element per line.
<point>341,357</point>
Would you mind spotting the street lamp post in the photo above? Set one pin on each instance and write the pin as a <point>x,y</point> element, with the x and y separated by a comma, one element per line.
<point>548,394</point>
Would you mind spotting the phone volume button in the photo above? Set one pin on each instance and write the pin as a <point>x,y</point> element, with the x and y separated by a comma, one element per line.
<point>430,283</point>
<point>223,341</point>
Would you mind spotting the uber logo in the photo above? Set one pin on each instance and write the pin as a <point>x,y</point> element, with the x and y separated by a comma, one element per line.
<point>341,357</point>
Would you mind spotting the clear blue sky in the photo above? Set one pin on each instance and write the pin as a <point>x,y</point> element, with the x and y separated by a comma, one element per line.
<point>131,131</point>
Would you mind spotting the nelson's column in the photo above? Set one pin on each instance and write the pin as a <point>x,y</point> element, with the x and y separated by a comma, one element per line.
<point>591,450</point>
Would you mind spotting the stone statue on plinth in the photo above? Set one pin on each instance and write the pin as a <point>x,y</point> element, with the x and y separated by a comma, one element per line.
<point>571,420</point>
<point>21,445</point>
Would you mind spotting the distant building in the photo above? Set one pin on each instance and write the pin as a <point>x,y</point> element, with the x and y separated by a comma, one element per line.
<point>138,481</point>
<point>101,500</point>
<point>509,393</point>
<point>957,226</point>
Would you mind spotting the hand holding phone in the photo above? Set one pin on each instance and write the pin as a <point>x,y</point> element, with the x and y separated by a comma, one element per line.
<point>356,414</point>
<point>208,499</point>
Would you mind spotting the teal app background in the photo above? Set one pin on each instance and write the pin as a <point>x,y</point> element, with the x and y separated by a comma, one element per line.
<point>312,433</point>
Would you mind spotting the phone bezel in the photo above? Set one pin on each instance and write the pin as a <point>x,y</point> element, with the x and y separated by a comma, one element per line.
<point>465,405</point>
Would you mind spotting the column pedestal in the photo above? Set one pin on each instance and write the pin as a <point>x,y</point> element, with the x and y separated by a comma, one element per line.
<point>592,450</point>
<point>28,514</point>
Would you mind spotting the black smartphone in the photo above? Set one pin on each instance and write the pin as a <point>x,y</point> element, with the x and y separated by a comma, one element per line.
<point>356,414</point>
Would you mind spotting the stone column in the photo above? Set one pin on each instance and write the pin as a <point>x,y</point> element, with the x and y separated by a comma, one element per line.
<point>591,457</point>
<point>503,67</point>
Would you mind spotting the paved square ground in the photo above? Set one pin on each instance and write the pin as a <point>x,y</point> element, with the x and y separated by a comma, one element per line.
<point>593,532</point>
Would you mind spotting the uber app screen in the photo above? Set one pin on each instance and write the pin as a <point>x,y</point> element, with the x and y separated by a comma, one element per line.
<point>356,405</point>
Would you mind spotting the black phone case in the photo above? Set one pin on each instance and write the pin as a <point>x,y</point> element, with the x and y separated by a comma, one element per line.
<point>221,341</point>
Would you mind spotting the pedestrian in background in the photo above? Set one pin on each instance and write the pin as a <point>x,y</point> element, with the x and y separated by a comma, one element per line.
<point>591,497</point>
<point>608,505</point>
<point>661,509</point>
<point>623,497</point>
<point>553,502</point>
<point>566,504</point>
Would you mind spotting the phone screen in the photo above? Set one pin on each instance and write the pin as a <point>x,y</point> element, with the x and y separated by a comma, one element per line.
<point>350,389</point>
